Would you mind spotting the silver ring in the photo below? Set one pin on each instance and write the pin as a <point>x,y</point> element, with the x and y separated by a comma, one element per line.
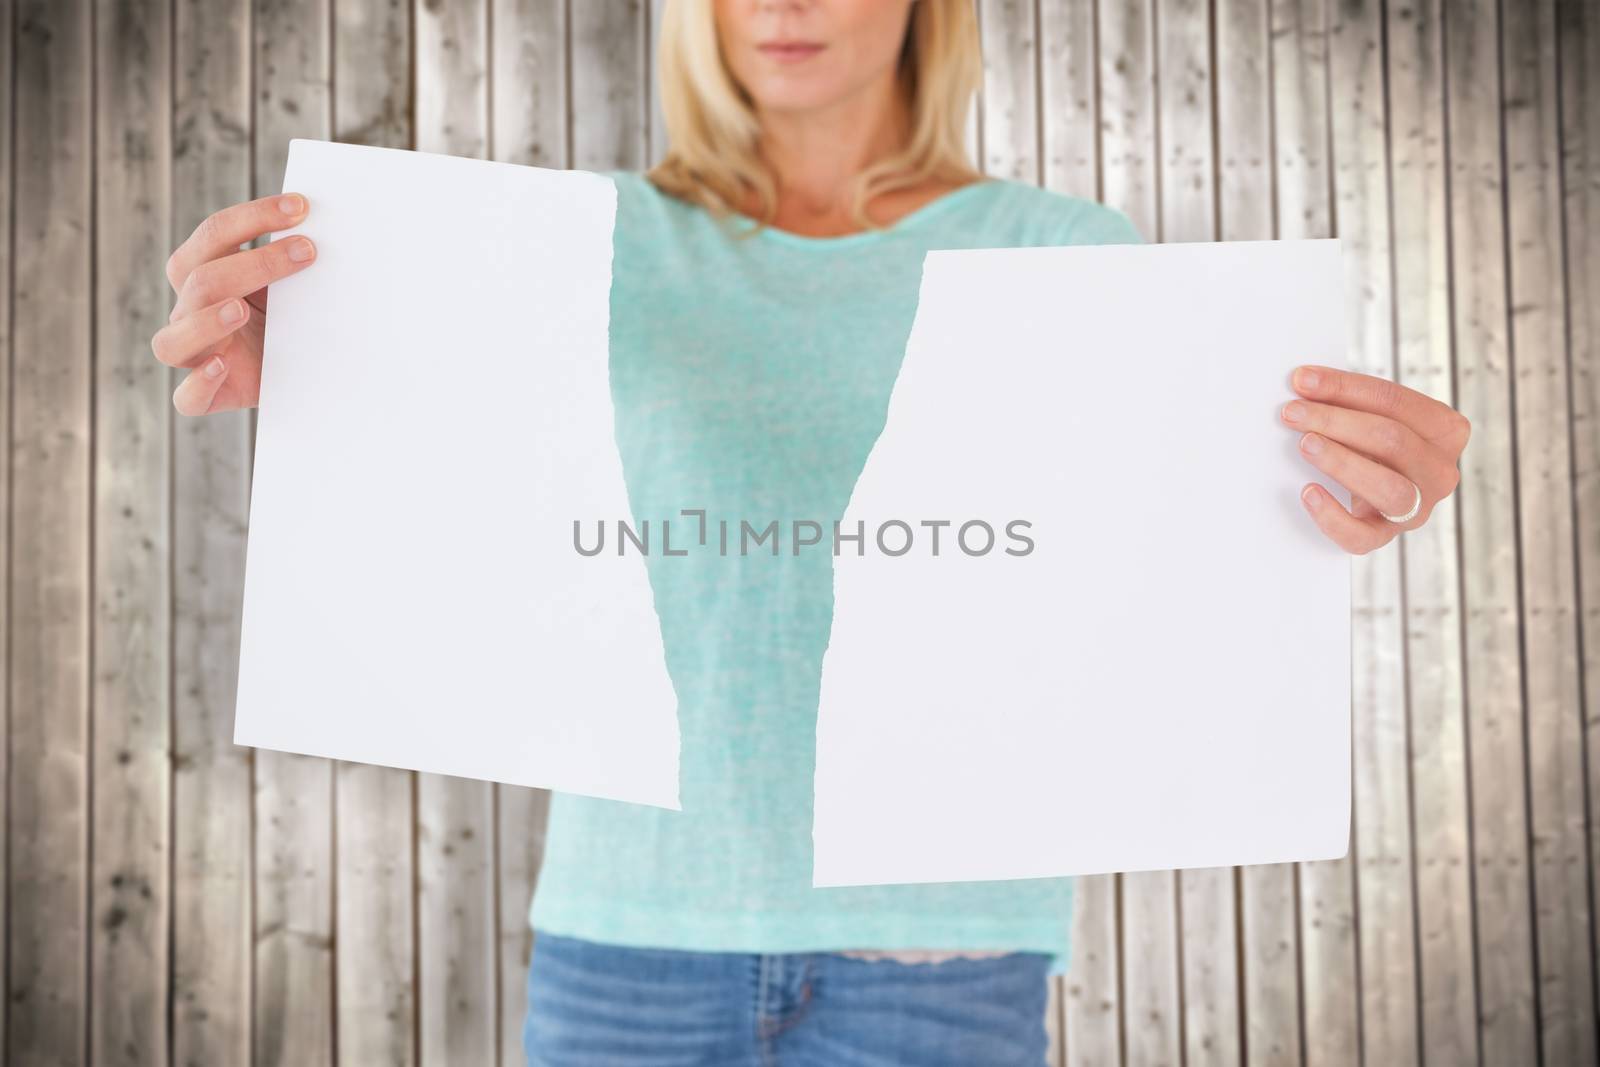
<point>1408,516</point>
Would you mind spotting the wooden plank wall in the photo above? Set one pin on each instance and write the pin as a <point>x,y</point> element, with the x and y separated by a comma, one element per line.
<point>169,898</point>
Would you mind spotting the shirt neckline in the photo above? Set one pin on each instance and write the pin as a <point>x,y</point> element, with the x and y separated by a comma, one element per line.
<point>933,208</point>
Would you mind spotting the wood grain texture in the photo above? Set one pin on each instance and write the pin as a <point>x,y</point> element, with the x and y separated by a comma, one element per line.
<point>7,199</point>
<point>51,507</point>
<point>656,135</point>
<point>1496,724</point>
<point>1128,161</point>
<point>1206,898</point>
<point>1305,209</point>
<point>372,64</point>
<point>212,867</point>
<point>131,695</point>
<point>1188,179</point>
<point>529,91</point>
<point>375,995</point>
<point>1243,121</point>
<point>1537,349</point>
<point>456,921</point>
<point>1268,939</point>
<point>1010,90</point>
<point>1578,33</point>
<point>1148,908</point>
<point>1092,993</point>
<point>160,908</point>
<point>1012,151</point>
<point>1055,1051</point>
<point>529,86</point>
<point>609,96</point>
<point>1091,998</point>
<point>519,851</point>
<point>1423,352</point>
<point>1208,933</point>
<point>375,871</point>
<point>1381,835</point>
<point>1185,119</point>
<point>1069,141</point>
<point>456,915</point>
<point>294,860</point>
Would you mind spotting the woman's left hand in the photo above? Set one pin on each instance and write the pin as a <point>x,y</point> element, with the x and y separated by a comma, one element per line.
<point>1391,446</point>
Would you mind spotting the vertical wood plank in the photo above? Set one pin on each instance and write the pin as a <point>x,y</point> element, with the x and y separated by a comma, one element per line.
<point>372,58</point>
<point>1150,968</point>
<point>293,79</point>
<point>1206,901</point>
<point>1504,320</point>
<point>1187,167</point>
<point>529,89</point>
<point>1300,117</point>
<point>529,94</point>
<point>376,995</point>
<point>212,892</point>
<point>1268,933</point>
<point>455,816</point>
<point>1149,908</point>
<point>453,77</point>
<point>374,962</point>
<point>1578,34</point>
<point>1382,832</point>
<point>294,820</point>
<point>1268,936</point>
<point>519,852</point>
<point>658,122</point>
<point>1010,90</point>
<point>1055,1051</point>
<point>1244,122</point>
<point>7,194</point>
<point>1432,575</point>
<point>1011,150</point>
<point>1507,1004</point>
<point>1210,967</point>
<point>131,689</point>
<point>1128,158</point>
<point>609,99</point>
<point>50,516</point>
<point>1092,1005</point>
<point>1538,352</point>
<point>1070,144</point>
<point>1327,898</point>
<point>1090,993</point>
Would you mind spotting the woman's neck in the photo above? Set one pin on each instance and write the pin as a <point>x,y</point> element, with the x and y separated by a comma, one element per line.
<point>817,154</point>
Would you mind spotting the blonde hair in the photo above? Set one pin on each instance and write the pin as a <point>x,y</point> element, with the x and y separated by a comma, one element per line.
<point>712,129</point>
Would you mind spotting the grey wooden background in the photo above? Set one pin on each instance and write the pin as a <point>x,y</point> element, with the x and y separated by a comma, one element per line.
<point>171,898</point>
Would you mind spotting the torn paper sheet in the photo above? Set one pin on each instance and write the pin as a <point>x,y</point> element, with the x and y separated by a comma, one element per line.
<point>435,414</point>
<point>1154,670</point>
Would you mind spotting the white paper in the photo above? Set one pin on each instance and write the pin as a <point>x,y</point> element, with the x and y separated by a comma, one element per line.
<point>435,414</point>
<point>1164,682</point>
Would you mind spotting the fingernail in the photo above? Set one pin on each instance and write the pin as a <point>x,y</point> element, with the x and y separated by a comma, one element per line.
<point>214,367</point>
<point>1294,411</point>
<point>1309,496</point>
<point>300,249</point>
<point>1312,443</point>
<point>292,204</point>
<point>232,312</point>
<point>1307,378</point>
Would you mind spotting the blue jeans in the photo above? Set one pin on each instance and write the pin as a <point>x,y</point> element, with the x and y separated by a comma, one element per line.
<point>595,1005</point>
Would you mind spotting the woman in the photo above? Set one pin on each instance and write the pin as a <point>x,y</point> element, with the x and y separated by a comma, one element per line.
<point>751,368</point>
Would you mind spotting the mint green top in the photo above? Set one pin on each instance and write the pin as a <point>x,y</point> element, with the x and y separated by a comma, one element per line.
<point>750,377</point>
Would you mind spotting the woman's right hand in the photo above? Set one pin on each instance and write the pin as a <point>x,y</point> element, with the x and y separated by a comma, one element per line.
<point>221,314</point>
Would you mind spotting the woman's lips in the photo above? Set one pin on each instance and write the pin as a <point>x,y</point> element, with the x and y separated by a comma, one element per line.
<point>789,51</point>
